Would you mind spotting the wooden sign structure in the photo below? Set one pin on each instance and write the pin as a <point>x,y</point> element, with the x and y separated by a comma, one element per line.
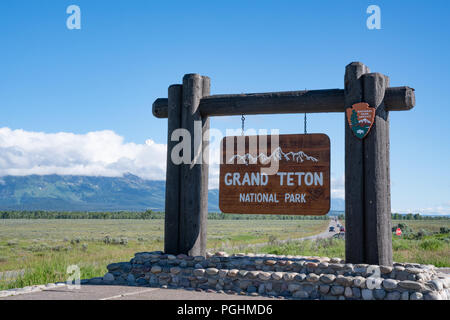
<point>368,236</point>
<point>292,177</point>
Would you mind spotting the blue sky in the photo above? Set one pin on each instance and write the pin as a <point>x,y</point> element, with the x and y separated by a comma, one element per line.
<point>107,75</point>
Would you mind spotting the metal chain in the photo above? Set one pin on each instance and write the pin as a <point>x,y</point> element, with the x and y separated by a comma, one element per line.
<point>305,125</point>
<point>243,121</point>
<point>305,122</point>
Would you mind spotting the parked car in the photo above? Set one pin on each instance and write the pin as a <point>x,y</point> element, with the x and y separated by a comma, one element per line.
<point>340,235</point>
<point>331,229</point>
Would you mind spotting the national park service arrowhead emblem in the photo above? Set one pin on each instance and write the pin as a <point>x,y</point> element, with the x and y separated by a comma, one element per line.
<point>360,118</point>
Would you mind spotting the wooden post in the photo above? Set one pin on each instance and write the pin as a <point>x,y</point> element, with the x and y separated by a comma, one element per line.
<point>354,170</point>
<point>206,88</point>
<point>377,213</point>
<point>172,212</point>
<point>194,181</point>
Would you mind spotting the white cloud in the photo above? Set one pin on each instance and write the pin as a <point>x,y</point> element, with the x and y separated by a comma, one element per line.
<point>338,187</point>
<point>443,209</point>
<point>99,153</point>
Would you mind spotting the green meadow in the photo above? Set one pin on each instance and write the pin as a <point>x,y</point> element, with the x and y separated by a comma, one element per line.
<point>42,249</point>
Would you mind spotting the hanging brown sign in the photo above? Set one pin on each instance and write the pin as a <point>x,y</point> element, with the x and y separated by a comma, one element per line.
<point>284,174</point>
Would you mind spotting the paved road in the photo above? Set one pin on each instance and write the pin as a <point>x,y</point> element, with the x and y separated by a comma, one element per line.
<point>322,235</point>
<point>98,292</point>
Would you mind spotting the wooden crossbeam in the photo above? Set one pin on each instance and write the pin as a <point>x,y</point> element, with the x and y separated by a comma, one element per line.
<point>307,101</point>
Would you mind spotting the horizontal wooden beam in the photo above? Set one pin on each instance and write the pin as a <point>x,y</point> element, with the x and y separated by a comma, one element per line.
<point>308,101</point>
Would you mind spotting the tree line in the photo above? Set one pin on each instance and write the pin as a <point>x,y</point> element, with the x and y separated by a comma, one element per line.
<point>149,214</point>
<point>144,215</point>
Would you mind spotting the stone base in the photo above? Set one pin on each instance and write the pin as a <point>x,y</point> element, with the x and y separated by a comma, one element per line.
<point>292,277</point>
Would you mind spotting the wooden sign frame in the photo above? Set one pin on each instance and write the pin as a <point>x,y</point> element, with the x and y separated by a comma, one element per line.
<point>368,237</point>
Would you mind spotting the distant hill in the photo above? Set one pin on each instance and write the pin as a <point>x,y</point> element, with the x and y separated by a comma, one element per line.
<point>86,193</point>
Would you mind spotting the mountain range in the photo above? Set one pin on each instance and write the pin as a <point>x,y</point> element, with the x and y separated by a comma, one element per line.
<point>276,155</point>
<point>89,193</point>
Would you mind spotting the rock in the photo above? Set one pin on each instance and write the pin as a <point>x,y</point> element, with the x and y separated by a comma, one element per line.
<point>327,278</point>
<point>294,287</point>
<point>324,288</point>
<point>270,262</point>
<point>432,296</point>
<point>243,273</point>
<point>281,263</point>
<point>390,284</point>
<point>436,284</point>
<point>175,270</point>
<point>379,294</point>
<point>300,277</point>
<point>312,265</point>
<point>335,260</point>
<point>312,277</point>
<point>399,268</point>
<point>199,272</point>
<point>171,257</point>
<point>413,270</point>
<point>336,266</point>
<point>411,285</point>
<point>359,282</point>
<point>348,292</point>
<point>251,289</point>
<point>212,271</point>
<point>356,292</point>
<point>141,282</point>
<point>337,290</point>
<point>405,295</point>
<point>344,281</point>
<point>277,275</point>
<point>233,273</point>
<point>121,266</point>
<point>264,276</point>
<point>198,266</point>
<point>131,279</point>
<point>385,269</point>
<point>109,277</point>
<point>199,258</point>
<point>367,294</point>
<point>261,288</point>
<point>361,268</point>
<point>394,295</point>
<point>402,275</point>
<point>416,296</point>
<point>289,276</point>
<point>300,294</point>
<point>221,254</point>
<point>156,269</point>
<point>259,262</point>
<point>252,274</point>
<point>223,273</point>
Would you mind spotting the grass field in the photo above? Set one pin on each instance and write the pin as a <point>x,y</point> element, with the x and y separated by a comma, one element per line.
<point>422,244</point>
<point>45,248</point>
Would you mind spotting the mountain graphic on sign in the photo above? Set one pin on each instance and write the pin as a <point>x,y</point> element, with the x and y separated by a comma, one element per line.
<point>276,155</point>
<point>364,120</point>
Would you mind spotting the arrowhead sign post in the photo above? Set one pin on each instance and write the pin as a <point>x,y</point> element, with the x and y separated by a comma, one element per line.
<point>291,177</point>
